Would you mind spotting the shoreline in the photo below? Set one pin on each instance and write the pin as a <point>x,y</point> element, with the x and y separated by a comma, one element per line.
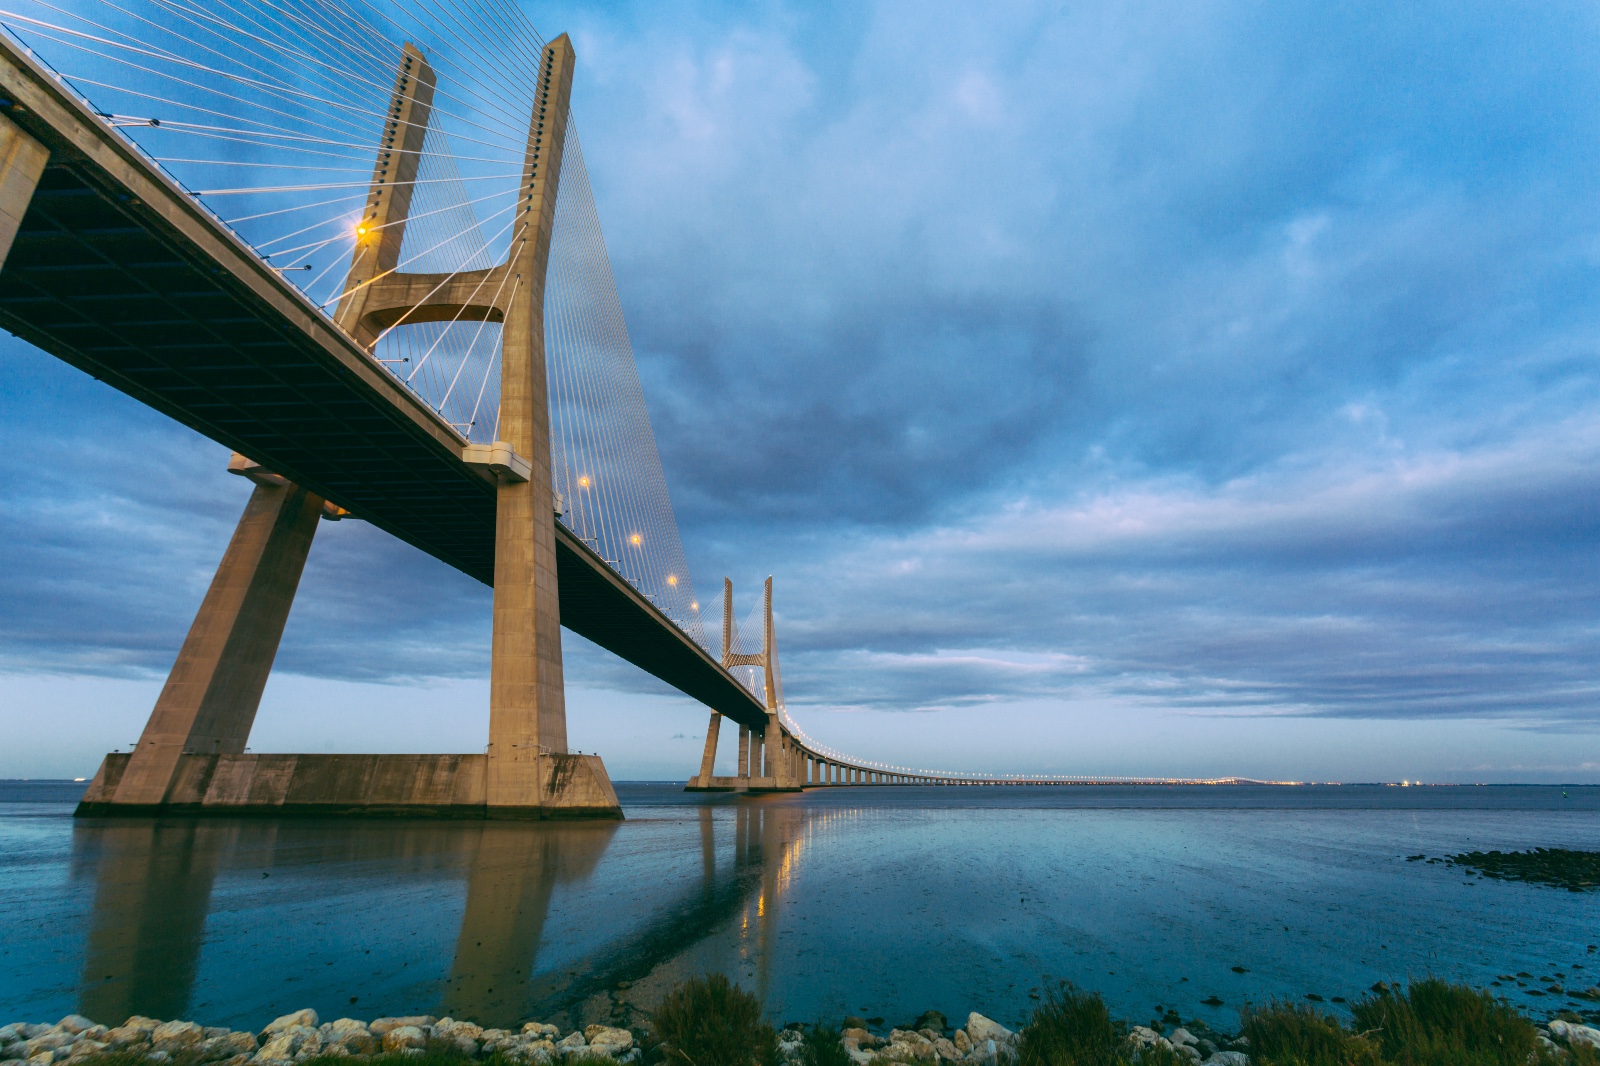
<point>301,1037</point>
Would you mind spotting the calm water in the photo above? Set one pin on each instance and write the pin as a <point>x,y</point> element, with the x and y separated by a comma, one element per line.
<point>880,902</point>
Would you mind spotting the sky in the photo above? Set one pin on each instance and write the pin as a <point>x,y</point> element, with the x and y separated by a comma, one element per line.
<point>1162,388</point>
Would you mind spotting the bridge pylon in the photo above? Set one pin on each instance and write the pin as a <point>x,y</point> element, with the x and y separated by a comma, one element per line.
<point>194,743</point>
<point>769,759</point>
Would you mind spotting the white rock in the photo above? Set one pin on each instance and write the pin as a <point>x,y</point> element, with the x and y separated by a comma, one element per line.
<point>541,1029</point>
<point>228,1045</point>
<point>1182,1036</point>
<point>379,1027</point>
<point>1187,1051</point>
<point>87,1047</point>
<point>74,1023</point>
<point>43,1058</point>
<point>980,1029</point>
<point>450,1029</point>
<point>572,1040</point>
<point>1143,1036</point>
<point>306,1018</point>
<point>609,1039</point>
<point>177,1036</point>
<point>962,1041</point>
<point>858,1056</point>
<point>140,1021</point>
<point>946,1049</point>
<point>157,1056</point>
<point>126,1036</point>
<point>404,1036</point>
<point>46,1042</point>
<point>281,1048</point>
<point>1228,1058</point>
<point>1573,1033</point>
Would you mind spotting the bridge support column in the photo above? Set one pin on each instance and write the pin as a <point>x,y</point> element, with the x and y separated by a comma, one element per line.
<point>529,769</point>
<point>211,696</point>
<point>22,161</point>
<point>744,752</point>
<point>709,759</point>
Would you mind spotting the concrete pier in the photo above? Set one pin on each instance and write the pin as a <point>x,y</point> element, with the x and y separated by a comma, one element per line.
<point>191,756</point>
<point>437,786</point>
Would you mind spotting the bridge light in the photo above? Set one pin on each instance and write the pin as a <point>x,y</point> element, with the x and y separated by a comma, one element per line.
<point>362,229</point>
<point>636,540</point>
<point>694,605</point>
<point>672,579</point>
<point>583,482</point>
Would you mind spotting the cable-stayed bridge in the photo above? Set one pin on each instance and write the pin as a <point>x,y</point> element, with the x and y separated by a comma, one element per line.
<point>356,243</point>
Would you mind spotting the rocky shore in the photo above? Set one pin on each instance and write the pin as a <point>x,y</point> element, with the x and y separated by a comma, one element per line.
<point>302,1036</point>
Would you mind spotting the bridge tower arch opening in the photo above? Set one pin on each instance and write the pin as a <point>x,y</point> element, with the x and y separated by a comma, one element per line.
<point>769,758</point>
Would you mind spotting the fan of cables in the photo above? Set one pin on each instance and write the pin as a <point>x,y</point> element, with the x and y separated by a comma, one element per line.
<point>271,113</point>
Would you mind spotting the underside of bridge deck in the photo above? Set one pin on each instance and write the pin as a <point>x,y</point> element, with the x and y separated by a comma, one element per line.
<point>118,273</point>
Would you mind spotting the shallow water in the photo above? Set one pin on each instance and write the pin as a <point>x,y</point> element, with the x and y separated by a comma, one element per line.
<point>875,901</point>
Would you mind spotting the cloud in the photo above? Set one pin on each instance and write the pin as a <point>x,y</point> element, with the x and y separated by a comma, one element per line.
<point>1219,359</point>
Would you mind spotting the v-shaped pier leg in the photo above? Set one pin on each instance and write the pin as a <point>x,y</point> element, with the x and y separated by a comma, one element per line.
<point>210,699</point>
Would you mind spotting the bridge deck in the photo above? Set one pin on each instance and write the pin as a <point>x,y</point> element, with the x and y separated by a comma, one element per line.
<point>119,272</point>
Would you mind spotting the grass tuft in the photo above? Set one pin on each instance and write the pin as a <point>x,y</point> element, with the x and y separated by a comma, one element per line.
<point>1072,1027</point>
<point>1285,1033</point>
<point>822,1047</point>
<point>1435,1023</point>
<point>707,1021</point>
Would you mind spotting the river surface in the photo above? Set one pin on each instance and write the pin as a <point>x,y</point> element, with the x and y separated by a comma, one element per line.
<point>881,902</point>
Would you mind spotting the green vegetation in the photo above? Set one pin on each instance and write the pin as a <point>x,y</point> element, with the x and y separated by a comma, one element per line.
<point>1575,871</point>
<point>822,1047</point>
<point>706,1021</point>
<point>1072,1027</point>
<point>1435,1022</point>
<point>1293,1034</point>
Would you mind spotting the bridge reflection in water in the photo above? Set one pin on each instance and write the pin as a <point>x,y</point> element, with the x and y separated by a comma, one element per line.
<point>229,921</point>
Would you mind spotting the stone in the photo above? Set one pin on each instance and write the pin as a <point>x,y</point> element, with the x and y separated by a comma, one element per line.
<point>228,1045</point>
<point>980,1029</point>
<point>157,1056</point>
<point>608,1039</point>
<point>541,1029</point>
<point>857,1037</point>
<point>43,1058</point>
<point>86,1046</point>
<point>1573,1033</point>
<point>962,1041</point>
<point>1182,1036</point>
<point>282,1046</point>
<point>177,1036</point>
<point>1228,1058</point>
<point>946,1049</point>
<point>381,1027</point>
<point>46,1042</point>
<point>237,1060</point>
<point>1142,1036</point>
<point>1187,1051</point>
<point>357,1040</point>
<point>403,1036</point>
<point>450,1029</point>
<point>74,1023</point>
<point>931,1019</point>
<point>572,1040</point>
<point>306,1018</point>
<point>987,1053</point>
<point>127,1036</point>
<point>140,1021</point>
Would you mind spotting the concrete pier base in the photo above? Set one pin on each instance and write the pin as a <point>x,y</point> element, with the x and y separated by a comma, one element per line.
<point>382,786</point>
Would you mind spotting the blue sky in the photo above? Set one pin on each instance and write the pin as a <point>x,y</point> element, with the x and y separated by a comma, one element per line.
<point>1128,388</point>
